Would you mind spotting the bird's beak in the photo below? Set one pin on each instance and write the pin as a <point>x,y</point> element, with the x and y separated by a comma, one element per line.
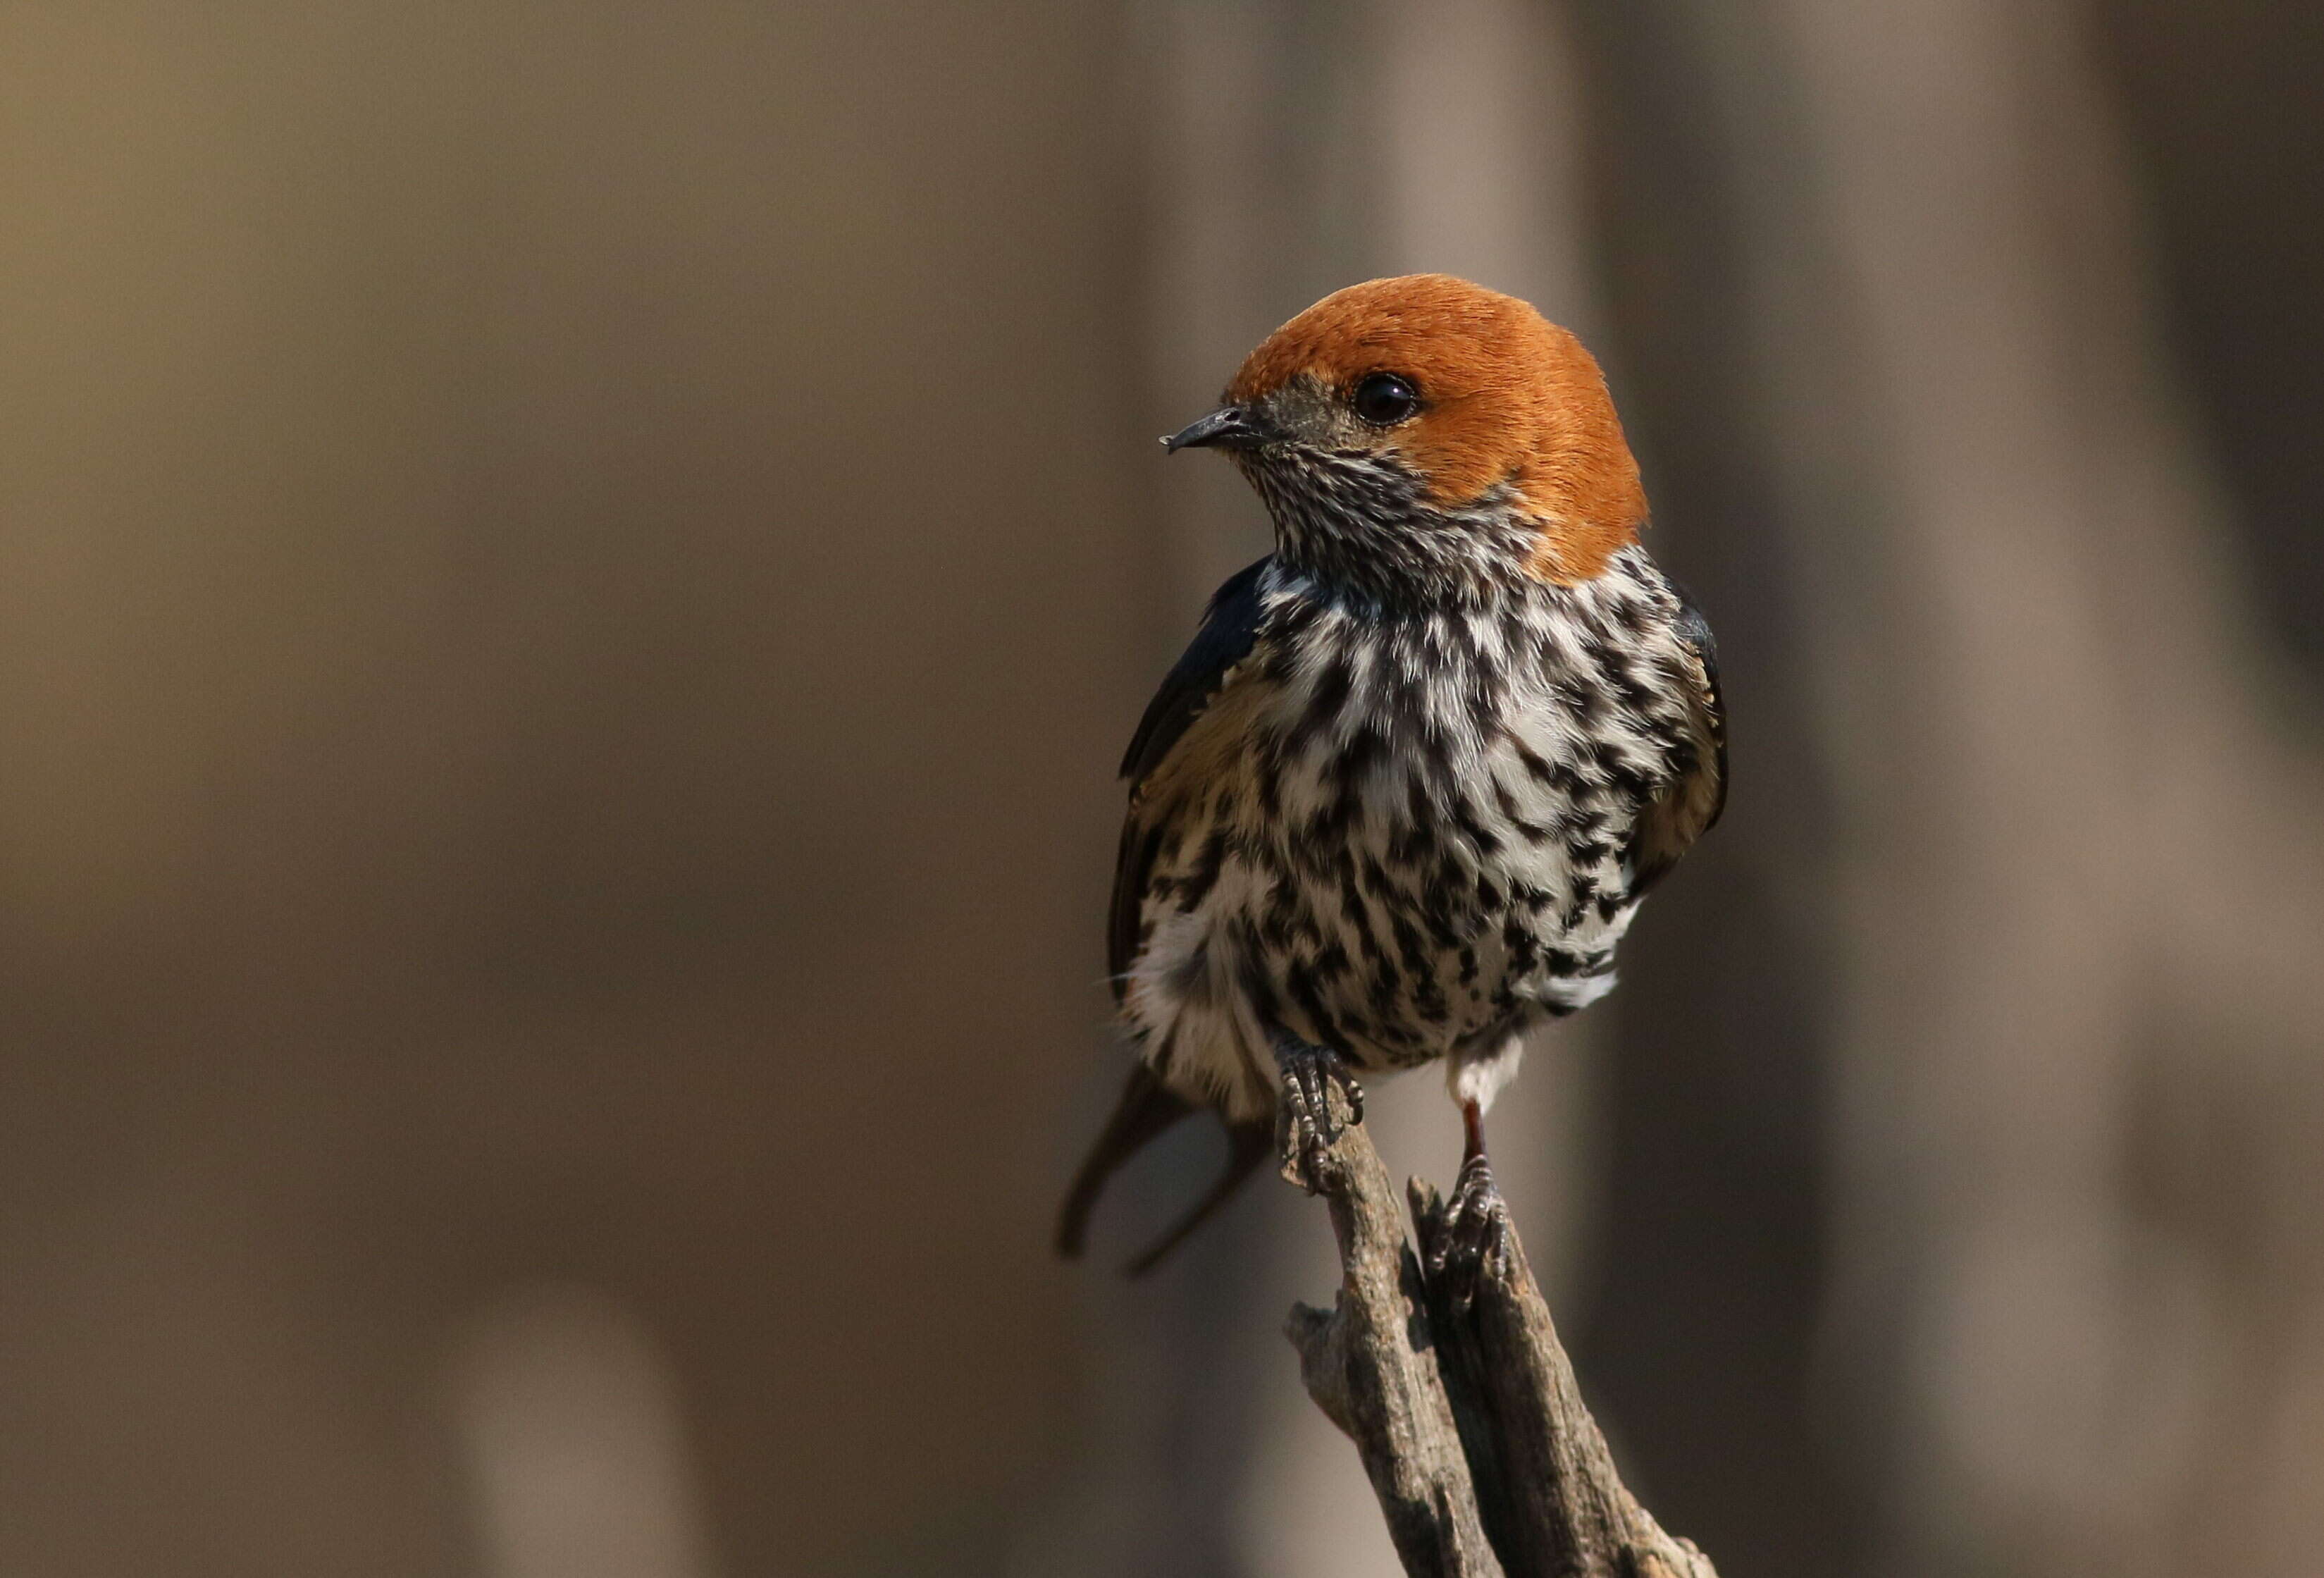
<point>1231,426</point>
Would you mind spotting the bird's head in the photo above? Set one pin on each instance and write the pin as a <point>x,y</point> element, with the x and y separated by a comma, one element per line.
<point>1423,433</point>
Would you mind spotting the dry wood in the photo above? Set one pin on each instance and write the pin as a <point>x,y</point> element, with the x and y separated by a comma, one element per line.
<point>1445,1369</point>
<point>1370,1366</point>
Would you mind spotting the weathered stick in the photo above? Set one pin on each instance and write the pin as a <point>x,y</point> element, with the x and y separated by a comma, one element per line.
<point>1371,1365</point>
<point>1551,1498</point>
<point>1460,1401</point>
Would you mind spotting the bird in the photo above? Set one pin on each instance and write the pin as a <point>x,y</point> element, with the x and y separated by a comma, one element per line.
<point>1402,794</point>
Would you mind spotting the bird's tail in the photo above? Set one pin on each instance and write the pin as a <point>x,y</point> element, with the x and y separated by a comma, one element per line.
<point>1147,1110</point>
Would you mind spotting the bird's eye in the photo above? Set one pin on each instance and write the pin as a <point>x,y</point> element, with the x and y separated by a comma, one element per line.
<point>1385,399</point>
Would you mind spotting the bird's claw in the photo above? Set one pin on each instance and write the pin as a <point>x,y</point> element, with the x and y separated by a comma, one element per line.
<point>1308,1124</point>
<point>1475,1245</point>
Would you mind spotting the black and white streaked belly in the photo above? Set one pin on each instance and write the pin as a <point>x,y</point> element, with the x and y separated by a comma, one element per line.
<point>1405,836</point>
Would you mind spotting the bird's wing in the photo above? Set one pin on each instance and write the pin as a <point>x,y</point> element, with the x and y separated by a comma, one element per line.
<point>1148,1107</point>
<point>1229,629</point>
<point>1687,809</point>
<point>1230,626</point>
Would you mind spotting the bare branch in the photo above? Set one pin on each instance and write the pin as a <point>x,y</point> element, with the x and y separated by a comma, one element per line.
<point>1550,1495</point>
<point>1371,1365</point>
<point>1459,1397</point>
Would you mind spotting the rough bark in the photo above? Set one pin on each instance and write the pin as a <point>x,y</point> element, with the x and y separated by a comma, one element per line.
<point>1371,1366</point>
<point>1443,1366</point>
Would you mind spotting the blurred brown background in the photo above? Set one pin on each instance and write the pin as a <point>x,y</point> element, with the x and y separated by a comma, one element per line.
<point>571,580</point>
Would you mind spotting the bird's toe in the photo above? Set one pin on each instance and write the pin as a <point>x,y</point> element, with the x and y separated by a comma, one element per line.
<point>1309,1123</point>
<point>1475,1244</point>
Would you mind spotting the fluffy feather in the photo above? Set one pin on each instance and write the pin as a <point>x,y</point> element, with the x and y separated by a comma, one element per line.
<point>1402,795</point>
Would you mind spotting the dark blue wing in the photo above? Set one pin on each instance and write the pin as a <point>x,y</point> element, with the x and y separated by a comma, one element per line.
<point>1229,629</point>
<point>1230,626</point>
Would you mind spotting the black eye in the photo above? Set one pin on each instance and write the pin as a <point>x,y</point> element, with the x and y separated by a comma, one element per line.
<point>1385,399</point>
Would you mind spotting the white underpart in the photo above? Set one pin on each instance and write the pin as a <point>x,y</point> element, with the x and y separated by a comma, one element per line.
<point>1479,1076</point>
<point>1185,993</point>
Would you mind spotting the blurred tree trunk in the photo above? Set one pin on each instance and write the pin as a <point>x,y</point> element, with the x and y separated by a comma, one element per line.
<point>2079,1299</point>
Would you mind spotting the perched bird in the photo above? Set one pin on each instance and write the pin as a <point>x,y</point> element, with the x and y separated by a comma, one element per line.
<point>1401,796</point>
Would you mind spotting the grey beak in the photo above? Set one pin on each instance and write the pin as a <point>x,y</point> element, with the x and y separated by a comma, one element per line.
<point>1229,426</point>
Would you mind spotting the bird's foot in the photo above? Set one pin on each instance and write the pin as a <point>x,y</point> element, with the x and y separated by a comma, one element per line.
<point>1477,1244</point>
<point>1308,1122</point>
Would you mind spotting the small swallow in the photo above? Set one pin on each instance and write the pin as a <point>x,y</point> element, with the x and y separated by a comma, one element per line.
<point>1402,794</point>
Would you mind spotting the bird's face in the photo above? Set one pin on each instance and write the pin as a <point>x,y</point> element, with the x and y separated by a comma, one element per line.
<point>1426,435</point>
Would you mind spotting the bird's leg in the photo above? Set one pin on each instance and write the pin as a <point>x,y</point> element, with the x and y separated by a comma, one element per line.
<point>1305,1123</point>
<point>1476,1240</point>
<point>1472,1126</point>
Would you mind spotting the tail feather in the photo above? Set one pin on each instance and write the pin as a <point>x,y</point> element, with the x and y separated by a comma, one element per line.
<point>1147,1110</point>
<point>1249,1144</point>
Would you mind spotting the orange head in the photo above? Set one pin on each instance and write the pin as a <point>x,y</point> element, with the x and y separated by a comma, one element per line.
<point>1418,403</point>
